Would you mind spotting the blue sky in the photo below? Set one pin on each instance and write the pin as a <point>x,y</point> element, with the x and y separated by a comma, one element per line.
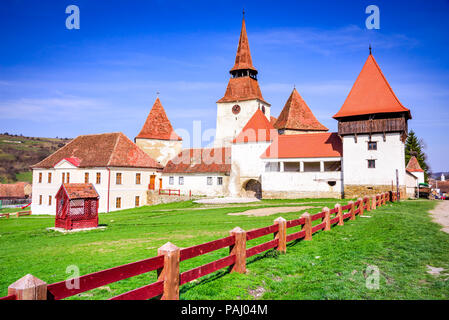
<point>104,76</point>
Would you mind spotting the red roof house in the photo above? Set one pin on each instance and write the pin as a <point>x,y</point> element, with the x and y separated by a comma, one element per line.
<point>413,165</point>
<point>18,190</point>
<point>212,160</point>
<point>100,150</point>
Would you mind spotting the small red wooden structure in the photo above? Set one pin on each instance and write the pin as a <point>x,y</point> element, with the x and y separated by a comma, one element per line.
<point>76,206</point>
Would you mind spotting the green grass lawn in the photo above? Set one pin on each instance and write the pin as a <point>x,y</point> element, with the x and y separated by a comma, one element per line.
<point>399,239</point>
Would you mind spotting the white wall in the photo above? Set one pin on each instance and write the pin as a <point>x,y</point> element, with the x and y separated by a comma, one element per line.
<point>389,156</point>
<point>229,125</point>
<point>197,183</point>
<point>127,191</point>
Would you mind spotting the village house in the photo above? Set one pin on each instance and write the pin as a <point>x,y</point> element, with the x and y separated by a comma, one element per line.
<point>119,170</point>
<point>15,191</point>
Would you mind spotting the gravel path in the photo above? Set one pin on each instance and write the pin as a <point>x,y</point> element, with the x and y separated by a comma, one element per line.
<point>440,214</point>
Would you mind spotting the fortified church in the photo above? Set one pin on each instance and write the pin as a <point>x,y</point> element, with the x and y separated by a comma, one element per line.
<point>254,153</point>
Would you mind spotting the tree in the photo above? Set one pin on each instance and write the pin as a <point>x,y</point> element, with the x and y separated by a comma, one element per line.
<point>414,147</point>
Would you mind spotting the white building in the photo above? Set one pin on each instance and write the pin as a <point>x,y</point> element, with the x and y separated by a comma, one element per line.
<point>120,172</point>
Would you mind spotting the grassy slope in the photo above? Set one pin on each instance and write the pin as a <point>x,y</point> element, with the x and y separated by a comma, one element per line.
<point>16,158</point>
<point>400,239</point>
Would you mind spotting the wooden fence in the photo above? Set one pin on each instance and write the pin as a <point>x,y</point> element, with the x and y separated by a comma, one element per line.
<point>170,192</point>
<point>169,257</point>
<point>17,214</point>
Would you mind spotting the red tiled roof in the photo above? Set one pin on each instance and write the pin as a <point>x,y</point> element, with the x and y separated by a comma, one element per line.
<point>257,129</point>
<point>101,150</point>
<point>241,89</point>
<point>371,94</point>
<point>157,125</point>
<point>273,120</point>
<point>413,165</point>
<point>13,190</point>
<point>213,160</point>
<point>296,115</point>
<point>75,161</point>
<point>80,190</point>
<point>310,145</point>
<point>243,58</point>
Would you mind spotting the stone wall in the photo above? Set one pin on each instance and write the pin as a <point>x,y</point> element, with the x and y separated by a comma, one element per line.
<point>356,191</point>
<point>153,197</point>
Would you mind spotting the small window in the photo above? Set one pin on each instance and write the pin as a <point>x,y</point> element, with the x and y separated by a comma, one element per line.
<point>371,164</point>
<point>137,178</point>
<point>49,200</point>
<point>118,202</point>
<point>171,180</point>
<point>272,167</point>
<point>209,181</point>
<point>181,180</point>
<point>86,177</point>
<point>137,201</point>
<point>98,177</point>
<point>63,177</point>
<point>49,177</point>
<point>40,200</point>
<point>40,177</point>
<point>219,181</point>
<point>118,178</point>
<point>68,177</point>
<point>372,145</point>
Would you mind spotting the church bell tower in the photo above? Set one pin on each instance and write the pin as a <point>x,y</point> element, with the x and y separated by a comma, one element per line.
<point>242,97</point>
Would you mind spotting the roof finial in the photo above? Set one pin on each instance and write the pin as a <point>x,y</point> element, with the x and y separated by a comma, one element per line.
<point>243,11</point>
<point>370,49</point>
<point>157,93</point>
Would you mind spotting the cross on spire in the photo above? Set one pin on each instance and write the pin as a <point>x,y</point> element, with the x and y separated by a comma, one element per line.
<point>370,48</point>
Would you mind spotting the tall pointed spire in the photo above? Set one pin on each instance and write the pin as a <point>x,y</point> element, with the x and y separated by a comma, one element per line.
<point>296,116</point>
<point>243,61</point>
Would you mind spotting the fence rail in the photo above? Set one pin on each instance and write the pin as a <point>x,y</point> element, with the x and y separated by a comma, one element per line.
<point>169,257</point>
<point>17,214</point>
<point>170,192</point>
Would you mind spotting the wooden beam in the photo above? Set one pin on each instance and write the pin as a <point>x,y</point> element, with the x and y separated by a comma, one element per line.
<point>281,234</point>
<point>170,271</point>
<point>327,218</point>
<point>28,288</point>
<point>339,214</point>
<point>307,226</point>
<point>352,210</point>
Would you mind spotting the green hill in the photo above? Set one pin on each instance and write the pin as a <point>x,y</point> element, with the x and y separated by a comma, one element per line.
<point>18,153</point>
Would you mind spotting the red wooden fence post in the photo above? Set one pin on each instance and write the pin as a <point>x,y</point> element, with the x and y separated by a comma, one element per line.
<point>239,249</point>
<point>307,227</point>
<point>281,234</point>
<point>385,198</point>
<point>368,205</point>
<point>361,206</point>
<point>28,288</point>
<point>170,271</point>
<point>352,210</point>
<point>326,219</point>
<point>373,202</point>
<point>339,214</point>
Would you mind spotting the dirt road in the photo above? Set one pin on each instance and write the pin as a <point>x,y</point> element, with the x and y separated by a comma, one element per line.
<point>441,214</point>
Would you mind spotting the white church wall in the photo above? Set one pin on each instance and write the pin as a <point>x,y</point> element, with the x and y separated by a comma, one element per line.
<point>197,183</point>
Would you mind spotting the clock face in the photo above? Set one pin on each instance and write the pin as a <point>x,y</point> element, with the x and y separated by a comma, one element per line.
<point>236,109</point>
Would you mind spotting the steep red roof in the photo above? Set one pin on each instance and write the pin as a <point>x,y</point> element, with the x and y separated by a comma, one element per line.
<point>243,58</point>
<point>101,150</point>
<point>13,190</point>
<point>296,115</point>
<point>413,165</point>
<point>241,89</point>
<point>311,145</point>
<point>80,190</point>
<point>257,129</point>
<point>157,125</point>
<point>213,160</point>
<point>273,120</point>
<point>371,94</point>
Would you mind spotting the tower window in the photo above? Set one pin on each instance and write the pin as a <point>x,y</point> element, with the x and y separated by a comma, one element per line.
<point>371,164</point>
<point>209,181</point>
<point>219,181</point>
<point>372,145</point>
